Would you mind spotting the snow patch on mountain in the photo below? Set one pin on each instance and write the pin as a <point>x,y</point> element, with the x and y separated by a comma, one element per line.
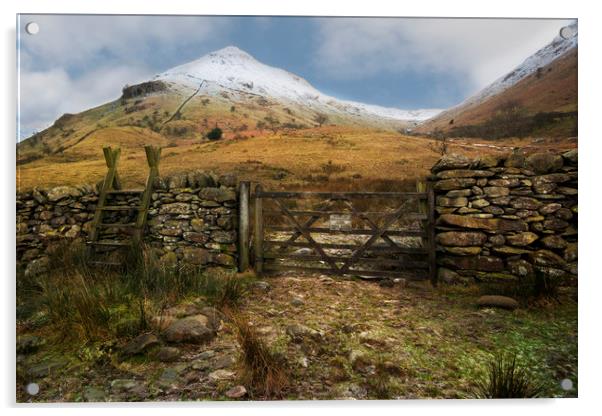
<point>546,55</point>
<point>238,72</point>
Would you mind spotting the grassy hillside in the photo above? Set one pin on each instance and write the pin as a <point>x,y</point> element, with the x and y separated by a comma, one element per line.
<point>317,158</point>
<point>553,89</point>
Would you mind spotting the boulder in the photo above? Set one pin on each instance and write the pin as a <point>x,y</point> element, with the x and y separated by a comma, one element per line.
<point>495,301</point>
<point>521,239</point>
<point>199,179</point>
<point>451,161</point>
<point>194,329</point>
<point>461,238</point>
<point>544,162</point>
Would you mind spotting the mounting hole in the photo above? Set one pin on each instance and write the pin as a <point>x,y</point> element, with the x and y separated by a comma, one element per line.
<point>32,389</point>
<point>566,384</point>
<point>568,32</point>
<point>32,28</point>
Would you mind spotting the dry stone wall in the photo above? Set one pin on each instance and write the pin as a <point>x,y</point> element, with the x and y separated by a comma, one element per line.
<point>192,219</point>
<point>506,218</point>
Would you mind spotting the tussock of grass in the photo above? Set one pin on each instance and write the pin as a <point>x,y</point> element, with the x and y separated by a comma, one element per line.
<point>507,379</point>
<point>88,303</point>
<point>262,370</point>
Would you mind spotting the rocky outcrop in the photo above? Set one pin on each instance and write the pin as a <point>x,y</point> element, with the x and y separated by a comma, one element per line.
<point>506,218</point>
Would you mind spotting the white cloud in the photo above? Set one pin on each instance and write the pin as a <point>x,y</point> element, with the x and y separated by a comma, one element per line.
<point>480,49</point>
<point>77,62</point>
<point>46,95</point>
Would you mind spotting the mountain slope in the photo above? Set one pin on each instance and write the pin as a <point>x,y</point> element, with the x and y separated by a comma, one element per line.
<point>546,82</point>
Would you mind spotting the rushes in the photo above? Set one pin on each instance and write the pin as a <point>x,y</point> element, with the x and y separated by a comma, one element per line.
<point>262,369</point>
<point>506,379</point>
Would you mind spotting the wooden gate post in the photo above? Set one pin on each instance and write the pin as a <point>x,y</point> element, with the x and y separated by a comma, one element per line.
<point>431,234</point>
<point>428,207</point>
<point>258,231</point>
<point>243,226</point>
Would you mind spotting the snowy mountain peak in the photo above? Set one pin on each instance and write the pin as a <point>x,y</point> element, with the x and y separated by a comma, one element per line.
<point>231,54</point>
<point>237,72</point>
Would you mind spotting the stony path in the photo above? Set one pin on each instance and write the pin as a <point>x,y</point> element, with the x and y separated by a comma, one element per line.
<point>342,339</point>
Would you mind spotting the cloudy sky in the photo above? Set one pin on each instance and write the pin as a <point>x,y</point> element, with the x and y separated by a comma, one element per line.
<point>75,62</point>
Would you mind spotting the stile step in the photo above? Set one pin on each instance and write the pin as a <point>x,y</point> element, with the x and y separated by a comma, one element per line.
<point>125,191</point>
<point>120,208</point>
<point>117,225</point>
<point>109,243</point>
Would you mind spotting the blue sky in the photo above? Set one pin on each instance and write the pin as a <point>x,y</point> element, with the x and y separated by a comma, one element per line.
<point>77,61</point>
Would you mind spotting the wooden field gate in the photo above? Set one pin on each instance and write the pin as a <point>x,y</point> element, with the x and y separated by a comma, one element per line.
<point>366,234</point>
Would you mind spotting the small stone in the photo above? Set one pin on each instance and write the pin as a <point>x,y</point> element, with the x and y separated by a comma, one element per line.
<point>447,276</point>
<point>94,394</point>
<point>194,329</point>
<point>521,239</point>
<point>496,191</point>
<point>140,344</point>
<point>297,301</point>
<point>495,301</point>
<point>219,375</point>
<point>224,362</point>
<point>168,354</point>
<point>298,332</point>
<point>27,344</point>
<point>123,384</point>
<point>554,242</point>
<point>463,251</point>
<point>236,392</point>
<point>262,285</point>
<point>479,203</point>
<point>550,208</point>
<point>456,183</point>
<point>452,202</point>
<point>571,156</point>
